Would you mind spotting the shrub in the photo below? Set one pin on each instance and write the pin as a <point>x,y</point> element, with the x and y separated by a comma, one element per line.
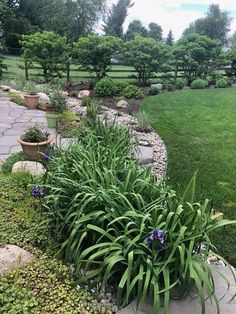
<point>117,224</point>
<point>221,83</point>
<point>199,84</point>
<point>152,91</point>
<point>180,83</point>
<point>144,120</point>
<point>19,83</point>
<point>57,101</point>
<point>106,87</point>
<point>2,66</point>
<point>120,86</point>
<point>170,87</point>
<point>132,91</point>
<point>86,101</point>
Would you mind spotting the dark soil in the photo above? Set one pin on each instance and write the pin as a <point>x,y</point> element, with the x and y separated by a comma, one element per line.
<point>132,109</point>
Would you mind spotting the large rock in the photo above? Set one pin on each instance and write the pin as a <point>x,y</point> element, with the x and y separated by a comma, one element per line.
<point>43,98</point>
<point>144,155</point>
<point>12,256</point>
<point>84,93</point>
<point>33,167</point>
<point>122,104</point>
<point>158,85</point>
<point>5,88</point>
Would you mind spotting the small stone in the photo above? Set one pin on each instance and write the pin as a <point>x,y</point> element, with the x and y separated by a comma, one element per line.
<point>84,93</point>
<point>33,167</point>
<point>5,88</point>
<point>12,256</point>
<point>144,143</point>
<point>122,104</point>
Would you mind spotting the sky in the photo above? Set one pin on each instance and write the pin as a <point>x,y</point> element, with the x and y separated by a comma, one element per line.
<point>175,14</point>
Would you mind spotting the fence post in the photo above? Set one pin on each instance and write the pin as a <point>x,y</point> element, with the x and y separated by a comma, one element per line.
<point>26,70</point>
<point>68,72</point>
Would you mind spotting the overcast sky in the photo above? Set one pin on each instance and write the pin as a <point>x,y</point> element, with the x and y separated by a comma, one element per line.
<point>175,14</point>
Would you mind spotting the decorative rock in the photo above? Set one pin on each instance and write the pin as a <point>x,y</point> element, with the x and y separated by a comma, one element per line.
<point>144,155</point>
<point>158,85</point>
<point>144,143</point>
<point>12,256</point>
<point>84,93</point>
<point>33,167</point>
<point>5,88</point>
<point>122,104</point>
<point>43,98</point>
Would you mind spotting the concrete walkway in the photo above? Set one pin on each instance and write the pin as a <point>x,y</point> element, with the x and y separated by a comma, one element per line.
<point>191,305</point>
<point>14,120</point>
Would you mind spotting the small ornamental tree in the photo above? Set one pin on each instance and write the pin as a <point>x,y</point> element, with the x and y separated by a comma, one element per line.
<point>94,53</point>
<point>196,56</point>
<point>230,59</point>
<point>146,55</point>
<point>47,49</point>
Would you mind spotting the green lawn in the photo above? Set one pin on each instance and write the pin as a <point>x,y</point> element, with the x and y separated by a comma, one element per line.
<point>199,129</point>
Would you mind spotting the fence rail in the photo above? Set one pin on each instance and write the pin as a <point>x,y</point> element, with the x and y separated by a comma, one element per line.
<point>20,67</point>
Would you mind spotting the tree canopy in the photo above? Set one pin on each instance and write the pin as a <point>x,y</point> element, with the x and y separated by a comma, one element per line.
<point>116,17</point>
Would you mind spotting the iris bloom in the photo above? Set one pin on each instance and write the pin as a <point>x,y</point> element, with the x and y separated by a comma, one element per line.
<point>158,235</point>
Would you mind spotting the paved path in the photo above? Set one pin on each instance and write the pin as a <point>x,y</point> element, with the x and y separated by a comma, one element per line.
<point>14,120</point>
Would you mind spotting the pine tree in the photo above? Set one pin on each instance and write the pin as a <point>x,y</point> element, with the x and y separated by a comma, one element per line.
<point>170,38</point>
<point>116,17</point>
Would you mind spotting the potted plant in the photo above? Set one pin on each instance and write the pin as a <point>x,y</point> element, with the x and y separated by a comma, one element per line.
<point>57,104</point>
<point>35,142</point>
<point>31,97</point>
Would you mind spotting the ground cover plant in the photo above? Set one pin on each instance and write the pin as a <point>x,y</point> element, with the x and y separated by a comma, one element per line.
<point>44,285</point>
<point>198,128</point>
<point>117,224</point>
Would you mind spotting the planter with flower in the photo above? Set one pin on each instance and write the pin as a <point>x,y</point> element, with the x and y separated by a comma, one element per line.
<point>31,96</point>
<point>35,142</point>
<point>56,107</point>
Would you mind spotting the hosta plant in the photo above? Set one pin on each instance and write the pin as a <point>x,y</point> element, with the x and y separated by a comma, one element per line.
<point>119,226</point>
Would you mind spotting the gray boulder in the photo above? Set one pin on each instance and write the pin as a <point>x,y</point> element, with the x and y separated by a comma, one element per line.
<point>33,167</point>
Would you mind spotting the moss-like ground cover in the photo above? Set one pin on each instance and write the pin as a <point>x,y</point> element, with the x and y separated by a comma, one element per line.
<point>199,129</point>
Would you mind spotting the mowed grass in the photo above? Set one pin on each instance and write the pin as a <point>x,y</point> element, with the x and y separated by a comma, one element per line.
<point>199,129</point>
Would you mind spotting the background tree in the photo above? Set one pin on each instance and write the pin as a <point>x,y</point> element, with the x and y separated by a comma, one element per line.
<point>146,55</point>
<point>116,17</point>
<point>216,24</point>
<point>232,40</point>
<point>155,31</point>
<point>94,53</point>
<point>47,49</point>
<point>170,38</point>
<point>135,28</point>
<point>196,55</point>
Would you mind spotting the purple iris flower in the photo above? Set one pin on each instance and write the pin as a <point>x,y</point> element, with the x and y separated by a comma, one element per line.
<point>158,235</point>
<point>46,156</point>
<point>46,133</point>
<point>38,191</point>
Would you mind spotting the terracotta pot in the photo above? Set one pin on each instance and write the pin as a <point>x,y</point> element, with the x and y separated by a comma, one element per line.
<point>31,101</point>
<point>34,151</point>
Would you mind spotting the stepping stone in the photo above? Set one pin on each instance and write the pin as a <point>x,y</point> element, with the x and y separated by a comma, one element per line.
<point>191,304</point>
<point>144,155</point>
<point>33,167</point>
<point>66,141</point>
<point>12,256</point>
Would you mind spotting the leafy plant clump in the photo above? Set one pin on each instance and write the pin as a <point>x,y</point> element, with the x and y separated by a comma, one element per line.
<point>132,91</point>
<point>106,87</point>
<point>144,119</point>
<point>221,83</point>
<point>199,84</point>
<point>31,88</point>
<point>86,101</point>
<point>116,223</point>
<point>93,110</point>
<point>57,101</point>
<point>34,134</point>
<point>180,83</point>
<point>153,91</point>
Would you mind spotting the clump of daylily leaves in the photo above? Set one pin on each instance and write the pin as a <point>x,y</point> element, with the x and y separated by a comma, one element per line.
<point>117,224</point>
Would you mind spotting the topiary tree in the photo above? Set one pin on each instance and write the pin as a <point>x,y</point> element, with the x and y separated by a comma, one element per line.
<point>146,55</point>
<point>94,53</point>
<point>47,49</point>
